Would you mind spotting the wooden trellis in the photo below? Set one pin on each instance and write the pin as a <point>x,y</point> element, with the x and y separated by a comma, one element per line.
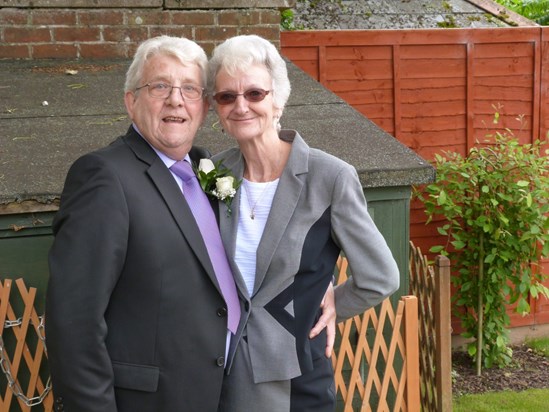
<point>22,352</point>
<point>376,360</point>
<point>431,285</point>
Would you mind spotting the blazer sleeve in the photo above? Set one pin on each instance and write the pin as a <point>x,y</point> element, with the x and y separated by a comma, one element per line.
<point>91,229</point>
<point>375,273</point>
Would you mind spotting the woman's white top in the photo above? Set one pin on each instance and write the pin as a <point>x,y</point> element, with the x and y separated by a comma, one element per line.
<point>255,204</point>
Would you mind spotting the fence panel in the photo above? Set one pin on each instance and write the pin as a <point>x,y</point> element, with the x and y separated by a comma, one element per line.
<point>431,285</point>
<point>436,90</point>
<point>24,366</point>
<point>376,358</point>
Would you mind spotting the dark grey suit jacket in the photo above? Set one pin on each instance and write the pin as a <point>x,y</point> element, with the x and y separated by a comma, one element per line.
<point>318,210</point>
<point>134,315</point>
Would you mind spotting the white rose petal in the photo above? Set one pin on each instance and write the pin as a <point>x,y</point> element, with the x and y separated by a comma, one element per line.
<point>224,186</point>
<point>206,166</point>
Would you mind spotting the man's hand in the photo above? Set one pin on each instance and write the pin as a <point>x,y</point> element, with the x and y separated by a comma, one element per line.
<point>327,320</point>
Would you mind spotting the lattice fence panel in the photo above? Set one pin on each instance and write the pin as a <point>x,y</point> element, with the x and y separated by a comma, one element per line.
<point>431,285</point>
<point>376,357</point>
<point>25,382</point>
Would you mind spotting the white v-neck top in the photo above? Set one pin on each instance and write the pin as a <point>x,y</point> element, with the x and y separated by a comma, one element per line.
<point>255,200</point>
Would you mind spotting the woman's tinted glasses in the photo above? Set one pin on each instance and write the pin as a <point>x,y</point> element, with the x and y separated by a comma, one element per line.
<point>252,95</point>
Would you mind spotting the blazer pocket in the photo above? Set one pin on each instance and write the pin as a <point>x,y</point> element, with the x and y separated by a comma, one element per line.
<point>318,345</point>
<point>136,377</point>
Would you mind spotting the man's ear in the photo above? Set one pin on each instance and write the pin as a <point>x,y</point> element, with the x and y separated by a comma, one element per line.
<point>129,101</point>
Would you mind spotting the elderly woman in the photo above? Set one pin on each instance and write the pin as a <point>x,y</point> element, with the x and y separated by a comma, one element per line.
<point>296,210</point>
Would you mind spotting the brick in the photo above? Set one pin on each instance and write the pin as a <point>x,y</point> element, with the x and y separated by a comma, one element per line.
<point>15,51</point>
<point>176,31</point>
<point>270,17</point>
<point>131,49</point>
<point>239,18</point>
<point>125,34</point>
<point>228,4</point>
<point>205,18</point>
<point>101,17</point>
<point>219,33</point>
<point>77,34</point>
<point>54,51</point>
<point>147,18</point>
<point>26,35</point>
<point>53,17</point>
<point>208,47</point>
<point>13,16</point>
<point>271,33</point>
<point>103,51</point>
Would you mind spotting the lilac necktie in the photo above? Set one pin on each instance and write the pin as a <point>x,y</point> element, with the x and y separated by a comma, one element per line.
<point>205,218</point>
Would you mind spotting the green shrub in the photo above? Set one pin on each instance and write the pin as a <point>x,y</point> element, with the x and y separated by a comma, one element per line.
<point>494,203</point>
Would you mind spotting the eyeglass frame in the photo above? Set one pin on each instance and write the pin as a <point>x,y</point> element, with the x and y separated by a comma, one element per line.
<point>264,94</point>
<point>148,85</point>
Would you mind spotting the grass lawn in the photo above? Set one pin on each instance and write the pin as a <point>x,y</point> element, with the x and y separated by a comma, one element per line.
<point>532,400</point>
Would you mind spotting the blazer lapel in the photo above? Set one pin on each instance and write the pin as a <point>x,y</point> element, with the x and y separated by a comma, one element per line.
<point>284,204</point>
<point>171,193</point>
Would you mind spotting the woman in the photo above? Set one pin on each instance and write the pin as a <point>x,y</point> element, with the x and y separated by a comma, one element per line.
<point>297,208</point>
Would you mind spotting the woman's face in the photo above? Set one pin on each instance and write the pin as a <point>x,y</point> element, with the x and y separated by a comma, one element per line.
<point>245,119</point>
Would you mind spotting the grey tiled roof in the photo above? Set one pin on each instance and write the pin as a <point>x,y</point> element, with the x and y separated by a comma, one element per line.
<point>402,14</point>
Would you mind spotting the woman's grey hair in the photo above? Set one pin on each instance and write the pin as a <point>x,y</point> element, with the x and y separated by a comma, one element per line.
<point>185,50</point>
<point>239,53</point>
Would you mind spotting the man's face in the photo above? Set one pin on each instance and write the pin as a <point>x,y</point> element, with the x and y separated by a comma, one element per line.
<point>168,124</point>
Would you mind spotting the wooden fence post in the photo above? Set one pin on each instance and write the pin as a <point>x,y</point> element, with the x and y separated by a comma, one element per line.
<point>443,335</point>
<point>411,342</point>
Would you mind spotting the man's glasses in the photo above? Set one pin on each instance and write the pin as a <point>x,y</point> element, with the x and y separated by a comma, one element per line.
<point>161,90</point>
<point>252,95</point>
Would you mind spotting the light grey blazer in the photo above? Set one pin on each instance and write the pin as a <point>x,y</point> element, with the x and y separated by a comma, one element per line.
<point>318,210</point>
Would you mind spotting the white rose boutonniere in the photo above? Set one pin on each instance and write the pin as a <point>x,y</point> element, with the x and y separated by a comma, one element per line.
<point>217,182</point>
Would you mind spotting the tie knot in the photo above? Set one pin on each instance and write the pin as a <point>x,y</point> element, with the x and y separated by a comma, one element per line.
<point>183,169</point>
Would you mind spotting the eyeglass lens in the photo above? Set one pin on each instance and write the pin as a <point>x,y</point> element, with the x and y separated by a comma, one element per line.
<point>162,90</point>
<point>252,95</point>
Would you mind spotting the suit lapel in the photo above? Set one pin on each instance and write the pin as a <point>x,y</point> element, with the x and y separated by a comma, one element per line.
<point>228,224</point>
<point>171,193</point>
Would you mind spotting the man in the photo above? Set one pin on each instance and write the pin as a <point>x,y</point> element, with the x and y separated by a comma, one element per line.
<point>136,320</point>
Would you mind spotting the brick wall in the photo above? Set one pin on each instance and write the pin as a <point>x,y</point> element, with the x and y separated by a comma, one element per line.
<point>72,29</point>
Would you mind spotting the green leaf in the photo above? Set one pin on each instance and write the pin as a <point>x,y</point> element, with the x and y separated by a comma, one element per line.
<point>442,231</point>
<point>523,307</point>
<point>436,249</point>
<point>442,198</point>
<point>472,350</point>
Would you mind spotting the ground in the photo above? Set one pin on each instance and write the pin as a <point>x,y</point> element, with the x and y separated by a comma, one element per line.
<point>528,370</point>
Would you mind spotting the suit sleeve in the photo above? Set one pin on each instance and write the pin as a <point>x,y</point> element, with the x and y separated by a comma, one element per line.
<point>375,273</point>
<point>91,230</point>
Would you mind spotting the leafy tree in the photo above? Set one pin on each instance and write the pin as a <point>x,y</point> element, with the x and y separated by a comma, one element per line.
<point>494,203</point>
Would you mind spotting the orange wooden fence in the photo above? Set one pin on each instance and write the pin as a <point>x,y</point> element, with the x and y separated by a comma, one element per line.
<point>431,285</point>
<point>376,361</point>
<point>23,360</point>
<point>436,90</point>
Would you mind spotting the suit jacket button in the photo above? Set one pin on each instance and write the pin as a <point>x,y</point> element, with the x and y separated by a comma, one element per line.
<point>220,361</point>
<point>247,306</point>
<point>222,312</point>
